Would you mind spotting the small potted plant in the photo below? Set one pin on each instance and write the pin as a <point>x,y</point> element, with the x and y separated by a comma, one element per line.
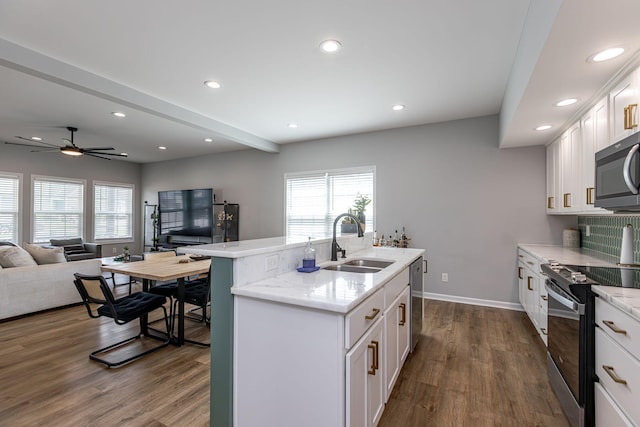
<point>127,255</point>
<point>360,206</point>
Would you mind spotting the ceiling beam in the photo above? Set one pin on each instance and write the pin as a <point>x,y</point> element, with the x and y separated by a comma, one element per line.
<point>38,65</point>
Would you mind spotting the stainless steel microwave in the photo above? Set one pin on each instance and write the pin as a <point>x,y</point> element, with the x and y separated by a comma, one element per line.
<point>618,175</point>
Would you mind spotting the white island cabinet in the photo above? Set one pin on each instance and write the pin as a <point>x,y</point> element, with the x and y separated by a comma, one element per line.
<point>311,349</point>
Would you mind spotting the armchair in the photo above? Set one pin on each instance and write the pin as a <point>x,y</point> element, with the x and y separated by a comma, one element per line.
<point>76,249</point>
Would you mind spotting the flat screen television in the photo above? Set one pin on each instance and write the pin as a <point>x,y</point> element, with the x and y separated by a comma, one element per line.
<point>186,212</point>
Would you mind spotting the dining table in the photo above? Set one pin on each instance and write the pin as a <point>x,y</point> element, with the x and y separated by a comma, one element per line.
<point>164,269</point>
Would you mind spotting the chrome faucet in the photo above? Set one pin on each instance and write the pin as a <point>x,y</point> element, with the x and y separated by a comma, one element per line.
<point>334,243</point>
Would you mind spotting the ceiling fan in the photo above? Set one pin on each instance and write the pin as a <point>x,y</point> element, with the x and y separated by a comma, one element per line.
<point>70,148</point>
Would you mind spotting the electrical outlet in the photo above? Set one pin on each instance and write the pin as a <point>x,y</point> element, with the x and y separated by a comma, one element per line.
<point>115,250</point>
<point>587,231</point>
<point>445,277</point>
<point>271,262</point>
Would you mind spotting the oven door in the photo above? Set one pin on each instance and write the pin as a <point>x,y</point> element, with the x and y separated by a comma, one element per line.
<point>618,175</point>
<point>563,329</point>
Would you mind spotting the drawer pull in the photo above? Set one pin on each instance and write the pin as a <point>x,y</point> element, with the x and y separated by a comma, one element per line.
<point>529,262</point>
<point>374,359</point>
<point>373,315</point>
<point>612,373</point>
<point>403,314</point>
<point>614,328</point>
<point>529,278</point>
<point>544,330</point>
<point>550,202</point>
<point>544,297</point>
<point>520,273</point>
<point>567,203</point>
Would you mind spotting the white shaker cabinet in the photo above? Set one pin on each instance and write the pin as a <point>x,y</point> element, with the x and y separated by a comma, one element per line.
<point>571,169</point>
<point>623,101</point>
<point>595,137</point>
<point>397,337</point>
<point>553,177</point>
<point>532,293</point>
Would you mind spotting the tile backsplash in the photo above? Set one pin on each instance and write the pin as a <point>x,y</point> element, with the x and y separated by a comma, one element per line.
<point>606,233</point>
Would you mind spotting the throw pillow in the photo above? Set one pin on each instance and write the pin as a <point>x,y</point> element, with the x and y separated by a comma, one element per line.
<point>15,256</point>
<point>74,249</point>
<point>45,255</point>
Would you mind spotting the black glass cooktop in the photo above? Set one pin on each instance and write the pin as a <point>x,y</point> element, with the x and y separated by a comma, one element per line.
<point>610,276</point>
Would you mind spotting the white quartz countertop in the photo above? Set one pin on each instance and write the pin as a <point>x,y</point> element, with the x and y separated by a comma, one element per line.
<point>570,256</point>
<point>246,248</point>
<point>626,299</point>
<point>328,290</point>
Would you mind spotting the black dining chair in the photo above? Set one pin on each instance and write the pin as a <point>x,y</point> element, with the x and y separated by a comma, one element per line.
<point>94,290</point>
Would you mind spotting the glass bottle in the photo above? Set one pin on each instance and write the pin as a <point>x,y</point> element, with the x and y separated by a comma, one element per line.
<point>375,238</point>
<point>309,258</point>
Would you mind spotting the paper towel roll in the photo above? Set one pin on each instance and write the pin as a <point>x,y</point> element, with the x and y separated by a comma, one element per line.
<point>626,249</point>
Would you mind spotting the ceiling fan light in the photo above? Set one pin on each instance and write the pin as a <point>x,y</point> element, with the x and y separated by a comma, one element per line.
<point>71,151</point>
<point>36,138</point>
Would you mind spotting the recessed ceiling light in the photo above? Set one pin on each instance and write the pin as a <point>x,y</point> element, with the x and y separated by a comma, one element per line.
<point>565,102</point>
<point>543,127</point>
<point>292,125</point>
<point>212,84</point>
<point>208,140</point>
<point>119,114</point>
<point>606,54</point>
<point>162,148</point>
<point>398,107</point>
<point>36,138</point>
<point>330,46</point>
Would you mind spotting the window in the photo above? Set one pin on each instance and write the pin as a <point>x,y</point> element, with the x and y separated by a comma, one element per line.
<point>10,207</point>
<point>314,199</point>
<point>57,208</point>
<point>113,211</point>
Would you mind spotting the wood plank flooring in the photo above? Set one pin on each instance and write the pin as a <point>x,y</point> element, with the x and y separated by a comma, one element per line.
<point>474,366</point>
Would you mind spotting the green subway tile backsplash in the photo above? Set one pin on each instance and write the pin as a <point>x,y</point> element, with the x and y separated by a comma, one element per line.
<point>606,233</point>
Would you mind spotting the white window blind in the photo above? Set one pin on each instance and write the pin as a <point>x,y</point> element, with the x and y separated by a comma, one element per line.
<point>113,210</point>
<point>315,199</point>
<point>9,207</point>
<point>57,209</point>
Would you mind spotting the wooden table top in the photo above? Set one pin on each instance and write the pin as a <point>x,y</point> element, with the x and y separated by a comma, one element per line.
<point>160,269</point>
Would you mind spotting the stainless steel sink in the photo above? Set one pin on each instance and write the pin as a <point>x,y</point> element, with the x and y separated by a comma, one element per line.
<point>376,263</point>
<point>352,268</point>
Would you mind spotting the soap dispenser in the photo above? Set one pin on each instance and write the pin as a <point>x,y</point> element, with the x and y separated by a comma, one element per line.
<point>309,259</point>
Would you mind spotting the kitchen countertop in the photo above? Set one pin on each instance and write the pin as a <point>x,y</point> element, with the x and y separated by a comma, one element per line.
<point>626,299</point>
<point>335,291</point>
<point>245,248</point>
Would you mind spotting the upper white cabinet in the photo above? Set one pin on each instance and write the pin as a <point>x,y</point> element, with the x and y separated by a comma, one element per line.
<point>623,101</point>
<point>595,137</point>
<point>553,176</point>
<point>571,168</point>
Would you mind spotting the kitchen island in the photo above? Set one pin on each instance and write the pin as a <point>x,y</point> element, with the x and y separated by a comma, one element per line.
<point>281,342</point>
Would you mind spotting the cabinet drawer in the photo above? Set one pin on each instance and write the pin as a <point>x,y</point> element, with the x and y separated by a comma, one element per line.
<point>611,319</point>
<point>358,320</point>
<point>607,412</point>
<point>619,374</point>
<point>529,260</point>
<point>395,286</point>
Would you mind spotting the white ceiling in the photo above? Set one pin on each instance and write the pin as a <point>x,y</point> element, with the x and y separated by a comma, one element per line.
<point>71,63</point>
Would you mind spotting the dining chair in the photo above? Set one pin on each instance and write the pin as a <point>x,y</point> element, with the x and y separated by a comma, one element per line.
<point>166,289</point>
<point>94,290</point>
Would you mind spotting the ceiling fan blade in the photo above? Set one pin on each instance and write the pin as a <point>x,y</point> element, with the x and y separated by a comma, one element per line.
<point>46,150</point>
<point>32,140</point>
<point>93,155</point>
<point>98,148</point>
<point>106,154</point>
<point>23,145</point>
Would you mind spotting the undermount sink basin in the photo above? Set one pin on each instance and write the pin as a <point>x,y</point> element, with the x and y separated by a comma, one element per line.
<point>376,263</point>
<point>352,268</point>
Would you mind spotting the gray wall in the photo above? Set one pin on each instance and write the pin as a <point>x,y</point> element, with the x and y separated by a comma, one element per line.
<point>19,159</point>
<point>461,198</point>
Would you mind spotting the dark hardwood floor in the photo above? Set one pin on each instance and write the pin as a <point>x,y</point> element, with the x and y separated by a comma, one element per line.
<point>474,366</point>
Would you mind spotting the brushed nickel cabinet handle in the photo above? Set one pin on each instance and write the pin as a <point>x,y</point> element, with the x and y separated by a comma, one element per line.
<point>403,314</point>
<point>529,278</point>
<point>372,370</point>
<point>614,328</point>
<point>373,315</point>
<point>612,373</point>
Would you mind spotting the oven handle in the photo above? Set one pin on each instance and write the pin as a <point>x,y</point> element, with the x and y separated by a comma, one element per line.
<point>626,169</point>
<point>556,293</point>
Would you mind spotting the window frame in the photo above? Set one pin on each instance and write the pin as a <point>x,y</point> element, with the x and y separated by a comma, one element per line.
<point>330,172</point>
<point>132,187</point>
<point>83,219</point>
<point>19,176</point>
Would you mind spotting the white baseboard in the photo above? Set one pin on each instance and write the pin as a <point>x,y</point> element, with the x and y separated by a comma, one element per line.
<point>474,301</point>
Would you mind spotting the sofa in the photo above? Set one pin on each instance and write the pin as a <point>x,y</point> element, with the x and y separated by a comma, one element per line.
<point>76,249</point>
<point>36,287</point>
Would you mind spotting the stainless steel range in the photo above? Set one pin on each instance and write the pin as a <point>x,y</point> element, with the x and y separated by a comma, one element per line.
<point>571,320</point>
